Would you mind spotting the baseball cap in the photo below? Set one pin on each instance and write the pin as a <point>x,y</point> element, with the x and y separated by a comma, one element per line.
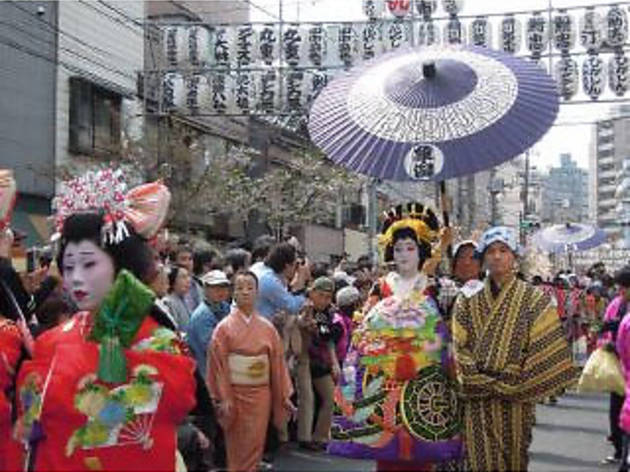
<point>323,284</point>
<point>215,277</point>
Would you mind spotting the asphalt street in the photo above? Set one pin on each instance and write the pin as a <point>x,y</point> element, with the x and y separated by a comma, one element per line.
<point>569,437</point>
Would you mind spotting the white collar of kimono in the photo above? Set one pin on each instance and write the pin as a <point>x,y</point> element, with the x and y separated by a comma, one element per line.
<point>401,287</point>
<point>245,318</point>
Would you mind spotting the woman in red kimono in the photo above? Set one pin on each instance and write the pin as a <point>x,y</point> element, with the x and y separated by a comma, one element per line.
<point>11,338</point>
<point>107,389</point>
<point>247,377</point>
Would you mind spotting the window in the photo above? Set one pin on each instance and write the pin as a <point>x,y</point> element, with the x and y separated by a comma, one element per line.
<point>94,118</point>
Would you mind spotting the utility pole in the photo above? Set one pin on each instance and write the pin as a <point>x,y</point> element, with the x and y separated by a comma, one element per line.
<point>525,195</point>
<point>372,211</point>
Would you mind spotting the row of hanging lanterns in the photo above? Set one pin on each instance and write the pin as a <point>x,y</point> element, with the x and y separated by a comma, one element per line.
<point>242,93</point>
<point>292,91</point>
<point>345,44</point>
<point>375,9</point>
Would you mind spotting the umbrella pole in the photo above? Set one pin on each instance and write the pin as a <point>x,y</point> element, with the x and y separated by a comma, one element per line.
<point>445,215</point>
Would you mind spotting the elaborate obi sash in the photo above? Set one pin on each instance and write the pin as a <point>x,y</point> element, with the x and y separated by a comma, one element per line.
<point>249,370</point>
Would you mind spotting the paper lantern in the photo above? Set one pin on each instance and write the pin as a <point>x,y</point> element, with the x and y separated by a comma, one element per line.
<point>453,7</point>
<point>294,91</point>
<point>223,45</point>
<point>316,44</point>
<point>174,92</point>
<point>428,33</point>
<point>268,44</point>
<point>593,77</point>
<point>316,82</point>
<point>567,76</point>
<point>616,27</point>
<point>198,96</point>
<point>175,46</point>
<point>245,47</point>
<point>245,93</point>
<point>268,89</point>
<point>454,31</point>
<point>426,8</point>
<point>480,33</point>
<point>591,30</point>
<point>537,35</point>
<point>397,35</point>
<point>510,34</point>
<point>221,92</point>
<point>293,44</point>
<point>563,31</point>
<point>399,8</point>
<point>199,46</point>
<point>373,9</point>
<point>371,44</point>
<point>347,44</point>
<point>619,74</point>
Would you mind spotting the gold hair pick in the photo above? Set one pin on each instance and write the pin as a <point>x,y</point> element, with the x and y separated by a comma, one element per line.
<point>422,230</point>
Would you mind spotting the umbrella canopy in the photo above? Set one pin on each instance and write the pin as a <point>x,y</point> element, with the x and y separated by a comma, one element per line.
<point>433,113</point>
<point>569,237</point>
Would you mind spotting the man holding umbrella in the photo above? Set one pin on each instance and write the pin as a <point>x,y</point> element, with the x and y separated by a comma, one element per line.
<point>510,352</point>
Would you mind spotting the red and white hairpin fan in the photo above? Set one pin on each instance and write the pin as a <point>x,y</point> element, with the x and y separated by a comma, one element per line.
<point>144,207</point>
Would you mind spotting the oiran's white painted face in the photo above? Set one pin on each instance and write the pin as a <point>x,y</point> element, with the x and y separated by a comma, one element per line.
<point>406,256</point>
<point>88,274</point>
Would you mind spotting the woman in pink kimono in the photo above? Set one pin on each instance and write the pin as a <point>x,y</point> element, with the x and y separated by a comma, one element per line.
<point>247,377</point>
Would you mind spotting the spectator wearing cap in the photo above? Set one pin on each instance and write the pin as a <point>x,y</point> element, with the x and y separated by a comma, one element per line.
<point>505,332</point>
<point>348,301</point>
<point>317,366</point>
<point>208,314</point>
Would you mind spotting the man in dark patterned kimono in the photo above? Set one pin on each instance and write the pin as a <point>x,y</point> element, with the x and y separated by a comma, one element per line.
<point>510,352</point>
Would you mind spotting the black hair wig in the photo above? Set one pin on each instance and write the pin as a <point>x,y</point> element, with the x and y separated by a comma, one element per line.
<point>133,253</point>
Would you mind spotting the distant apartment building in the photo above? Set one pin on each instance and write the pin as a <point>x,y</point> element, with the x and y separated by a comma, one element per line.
<point>565,193</point>
<point>611,148</point>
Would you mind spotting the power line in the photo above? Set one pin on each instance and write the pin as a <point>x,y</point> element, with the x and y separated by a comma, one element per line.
<point>111,17</point>
<point>58,30</point>
<point>69,51</point>
<point>72,68</point>
<point>121,13</point>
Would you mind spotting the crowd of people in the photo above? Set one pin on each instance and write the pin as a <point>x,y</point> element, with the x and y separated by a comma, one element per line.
<point>125,353</point>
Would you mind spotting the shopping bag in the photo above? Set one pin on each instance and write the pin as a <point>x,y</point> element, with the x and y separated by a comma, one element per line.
<point>602,373</point>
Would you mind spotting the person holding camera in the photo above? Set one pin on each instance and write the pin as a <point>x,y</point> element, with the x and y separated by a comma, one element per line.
<point>317,364</point>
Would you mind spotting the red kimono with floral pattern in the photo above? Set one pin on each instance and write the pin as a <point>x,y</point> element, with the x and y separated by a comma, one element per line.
<point>90,425</point>
<point>10,348</point>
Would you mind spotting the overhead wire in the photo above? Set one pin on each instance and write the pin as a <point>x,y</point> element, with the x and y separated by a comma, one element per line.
<point>68,50</point>
<point>61,32</point>
<point>115,19</point>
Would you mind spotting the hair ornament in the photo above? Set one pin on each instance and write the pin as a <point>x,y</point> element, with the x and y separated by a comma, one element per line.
<point>144,207</point>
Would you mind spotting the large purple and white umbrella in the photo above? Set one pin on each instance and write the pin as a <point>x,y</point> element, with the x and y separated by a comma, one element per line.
<point>569,237</point>
<point>433,113</point>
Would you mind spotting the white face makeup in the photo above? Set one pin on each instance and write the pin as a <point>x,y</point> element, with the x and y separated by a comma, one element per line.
<point>406,257</point>
<point>88,274</point>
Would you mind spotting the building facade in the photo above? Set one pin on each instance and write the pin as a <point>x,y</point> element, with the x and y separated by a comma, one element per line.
<point>69,72</point>
<point>565,193</point>
<point>611,148</point>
